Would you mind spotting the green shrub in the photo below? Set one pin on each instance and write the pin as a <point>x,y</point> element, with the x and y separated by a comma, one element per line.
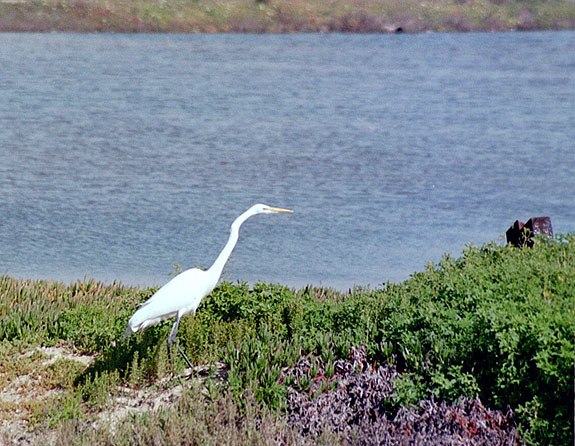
<point>497,322</point>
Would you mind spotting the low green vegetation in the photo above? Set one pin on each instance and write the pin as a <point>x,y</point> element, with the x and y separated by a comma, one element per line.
<point>497,323</point>
<point>279,16</point>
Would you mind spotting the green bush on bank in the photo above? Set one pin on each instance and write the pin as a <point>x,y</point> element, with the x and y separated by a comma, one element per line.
<point>497,322</point>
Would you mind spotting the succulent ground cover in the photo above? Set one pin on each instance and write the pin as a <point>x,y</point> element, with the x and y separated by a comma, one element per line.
<point>474,350</point>
<point>278,16</point>
<point>360,409</point>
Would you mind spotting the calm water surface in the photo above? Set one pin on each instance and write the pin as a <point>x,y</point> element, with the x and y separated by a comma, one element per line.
<point>121,155</point>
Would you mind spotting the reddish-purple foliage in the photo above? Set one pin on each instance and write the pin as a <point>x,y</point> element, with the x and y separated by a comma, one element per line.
<point>356,410</point>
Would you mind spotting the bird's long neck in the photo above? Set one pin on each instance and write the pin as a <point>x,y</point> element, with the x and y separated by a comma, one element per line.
<point>218,266</point>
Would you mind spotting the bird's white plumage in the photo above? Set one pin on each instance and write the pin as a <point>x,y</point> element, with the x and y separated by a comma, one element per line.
<point>183,294</point>
<point>180,296</point>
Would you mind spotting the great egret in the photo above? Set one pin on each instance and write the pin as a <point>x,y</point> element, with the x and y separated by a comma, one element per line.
<point>183,294</point>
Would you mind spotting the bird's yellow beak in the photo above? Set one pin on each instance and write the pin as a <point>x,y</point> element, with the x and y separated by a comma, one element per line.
<point>280,210</point>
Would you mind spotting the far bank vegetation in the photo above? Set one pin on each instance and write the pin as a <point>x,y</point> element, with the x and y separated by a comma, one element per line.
<point>285,16</point>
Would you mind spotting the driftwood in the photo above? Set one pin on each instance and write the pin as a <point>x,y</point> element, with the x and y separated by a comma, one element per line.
<point>521,234</point>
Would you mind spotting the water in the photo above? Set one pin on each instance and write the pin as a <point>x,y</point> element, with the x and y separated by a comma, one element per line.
<point>121,155</point>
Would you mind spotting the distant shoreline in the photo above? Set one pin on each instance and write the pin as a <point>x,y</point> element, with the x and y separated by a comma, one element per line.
<point>285,16</point>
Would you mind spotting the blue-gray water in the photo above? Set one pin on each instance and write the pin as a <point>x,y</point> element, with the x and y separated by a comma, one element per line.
<point>122,155</point>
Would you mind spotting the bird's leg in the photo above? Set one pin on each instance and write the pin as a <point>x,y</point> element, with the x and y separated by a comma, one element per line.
<point>172,339</point>
<point>174,331</point>
<point>169,355</point>
<point>172,336</point>
<point>184,355</point>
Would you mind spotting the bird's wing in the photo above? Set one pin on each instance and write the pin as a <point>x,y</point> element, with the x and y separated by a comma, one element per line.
<point>184,289</point>
<point>181,295</point>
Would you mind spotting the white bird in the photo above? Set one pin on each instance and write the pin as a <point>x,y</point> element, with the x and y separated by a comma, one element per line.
<point>182,295</point>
